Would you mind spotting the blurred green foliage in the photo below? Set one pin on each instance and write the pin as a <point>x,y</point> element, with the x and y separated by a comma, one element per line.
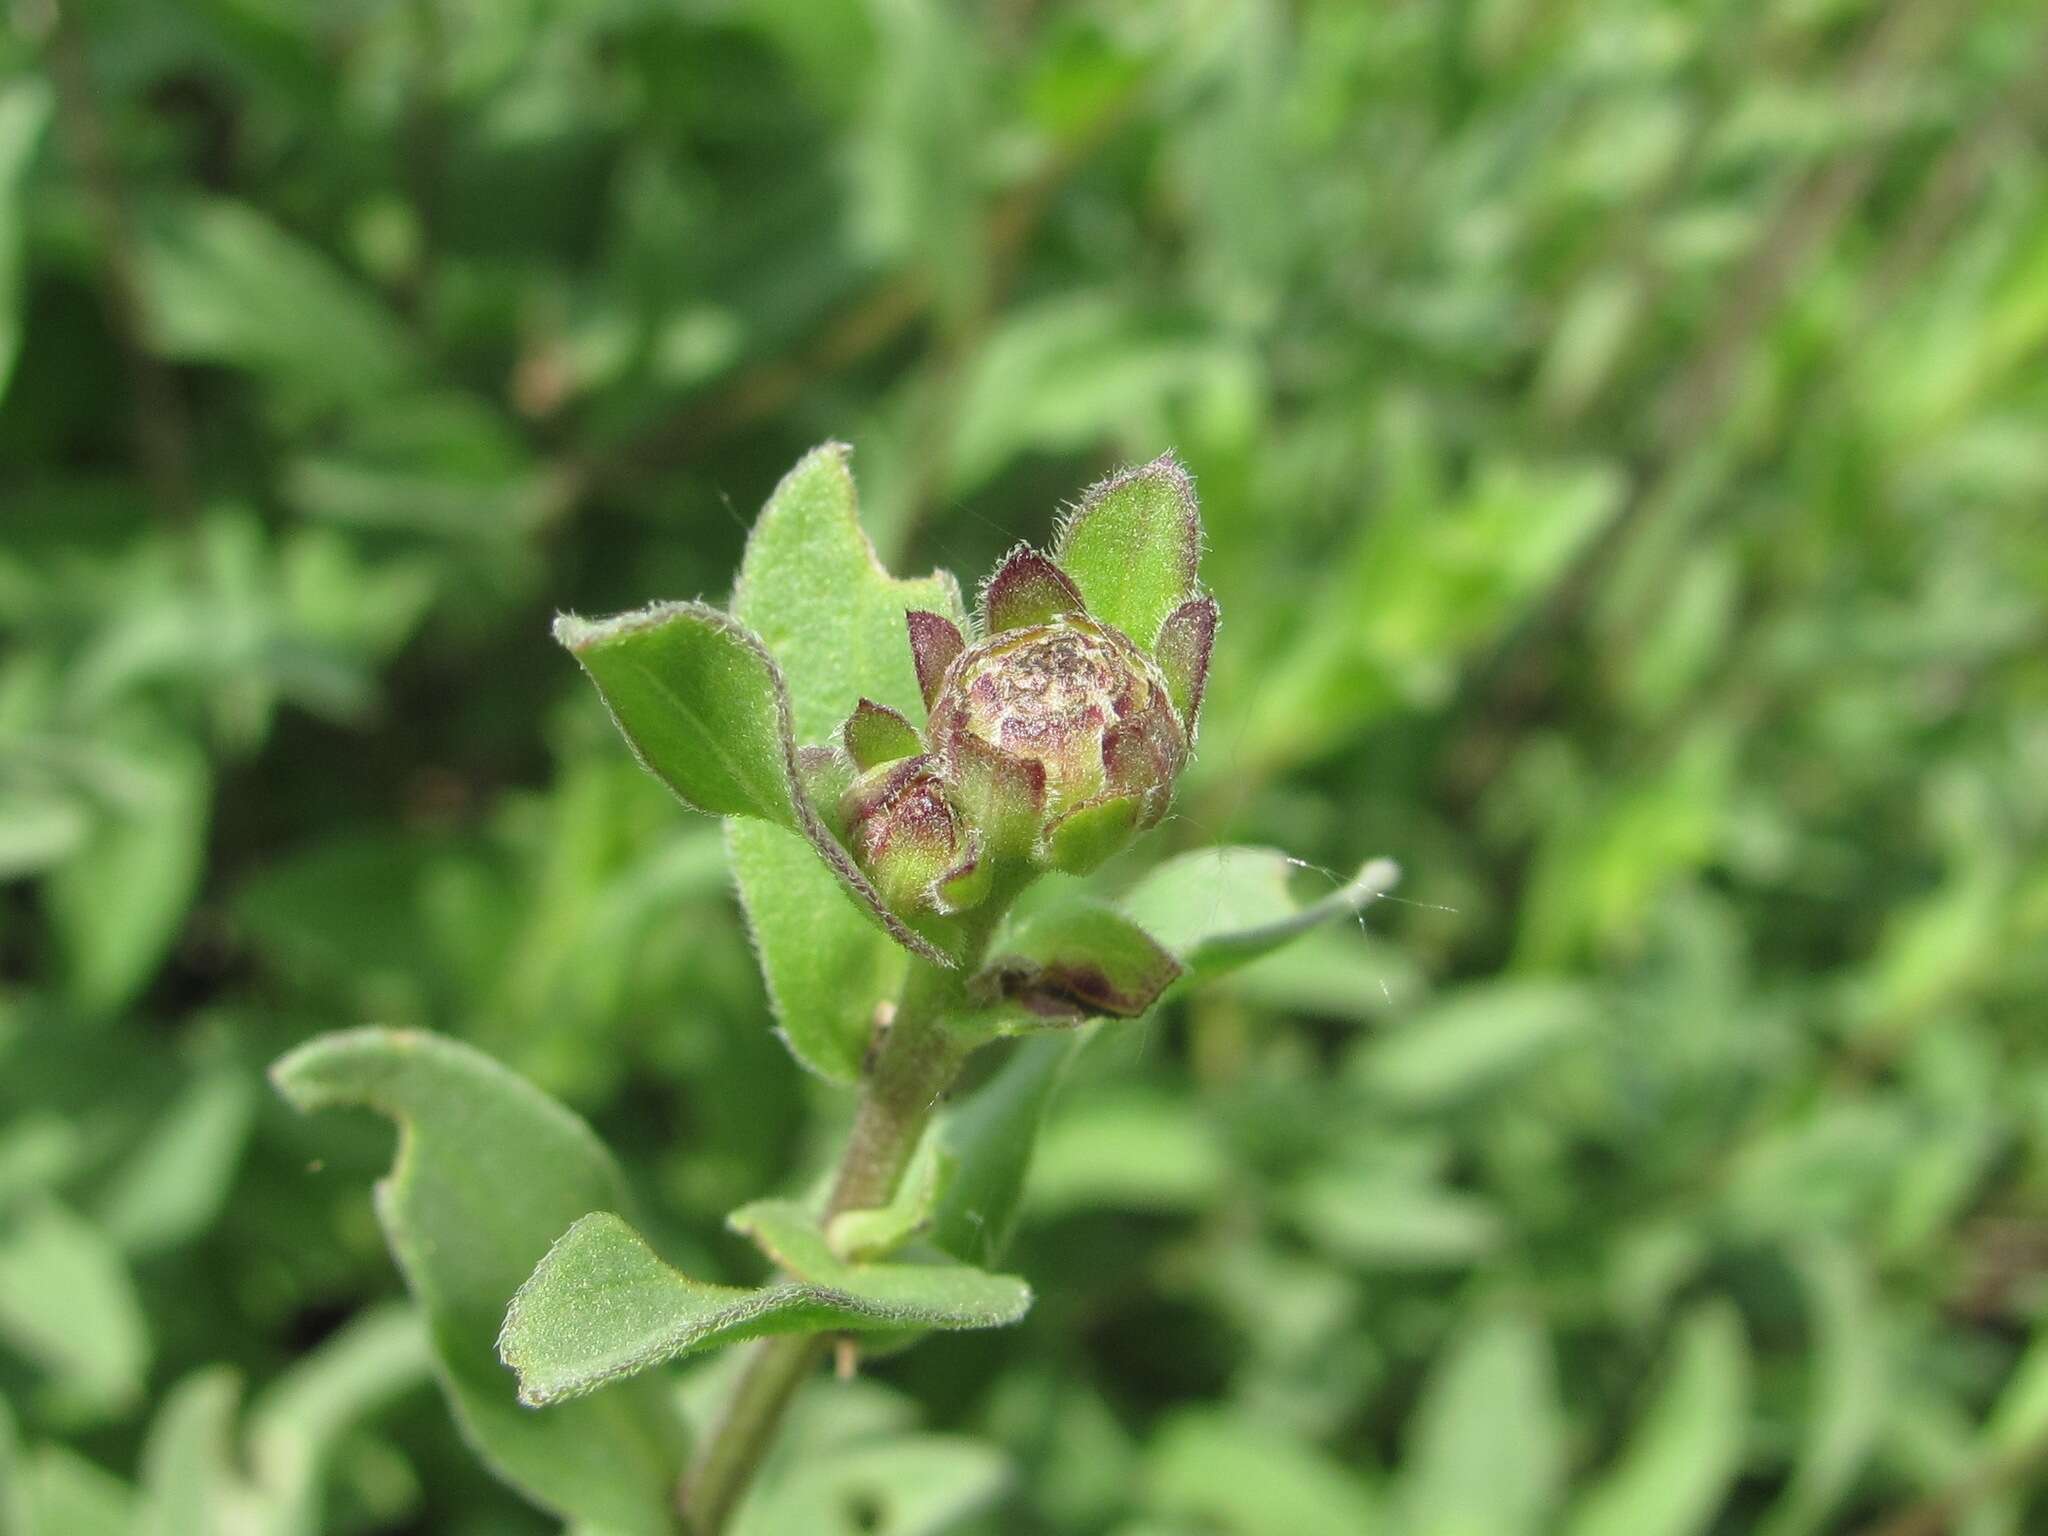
<point>1620,432</point>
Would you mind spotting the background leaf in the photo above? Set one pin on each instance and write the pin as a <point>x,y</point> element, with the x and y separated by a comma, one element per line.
<point>1488,1451</point>
<point>25,107</point>
<point>1676,1470</point>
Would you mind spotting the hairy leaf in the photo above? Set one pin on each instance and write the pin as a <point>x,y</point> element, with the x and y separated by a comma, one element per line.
<point>1026,589</point>
<point>1132,547</point>
<point>864,1236</point>
<point>875,734</point>
<point>812,588</point>
<point>708,712</point>
<point>699,700</point>
<point>1092,833</point>
<point>1185,641</point>
<point>602,1304</point>
<point>489,1171</point>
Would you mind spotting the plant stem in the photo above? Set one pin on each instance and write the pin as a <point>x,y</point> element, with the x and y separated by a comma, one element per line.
<point>914,1063</point>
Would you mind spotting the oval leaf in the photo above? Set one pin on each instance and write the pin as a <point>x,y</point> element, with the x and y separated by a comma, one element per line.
<point>708,712</point>
<point>813,589</point>
<point>1026,589</point>
<point>1132,547</point>
<point>489,1171</point>
<point>602,1304</point>
<point>699,700</point>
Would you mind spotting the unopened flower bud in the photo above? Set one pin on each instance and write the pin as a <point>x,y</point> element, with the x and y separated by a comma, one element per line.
<point>901,829</point>
<point>1076,699</point>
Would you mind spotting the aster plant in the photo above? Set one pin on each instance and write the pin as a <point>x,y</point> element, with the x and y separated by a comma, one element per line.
<point>909,791</point>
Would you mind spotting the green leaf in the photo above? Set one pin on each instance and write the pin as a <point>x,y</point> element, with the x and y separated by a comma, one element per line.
<point>1486,1446</point>
<point>813,589</point>
<point>908,1485</point>
<point>187,1477</point>
<point>701,703</point>
<point>298,1422</point>
<point>1075,961</point>
<point>489,1170</point>
<point>1686,1452</point>
<point>1247,1476</point>
<point>196,1477</point>
<point>1129,1148</point>
<point>25,105</point>
<point>1847,1397</point>
<point>170,1188</point>
<point>990,1136</point>
<point>875,734</point>
<point>1473,1041</point>
<point>867,1235</point>
<point>1379,1221</point>
<point>117,903</point>
<point>602,1305</point>
<point>67,1302</point>
<point>64,1494</point>
<point>1026,589</point>
<point>1219,908</point>
<point>1133,546</point>
<point>226,285</point>
<point>1092,833</point>
<point>707,711</point>
<point>15,1513</point>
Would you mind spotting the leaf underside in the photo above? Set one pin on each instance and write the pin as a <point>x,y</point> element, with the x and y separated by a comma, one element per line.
<point>602,1304</point>
<point>708,712</point>
<point>1219,908</point>
<point>489,1170</point>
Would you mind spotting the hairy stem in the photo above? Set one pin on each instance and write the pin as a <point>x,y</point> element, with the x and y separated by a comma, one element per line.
<point>913,1064</point>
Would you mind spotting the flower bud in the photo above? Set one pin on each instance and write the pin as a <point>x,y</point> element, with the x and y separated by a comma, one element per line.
<point>1072,706</point>
<point>901,829</point>
<point>1054,738</point>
